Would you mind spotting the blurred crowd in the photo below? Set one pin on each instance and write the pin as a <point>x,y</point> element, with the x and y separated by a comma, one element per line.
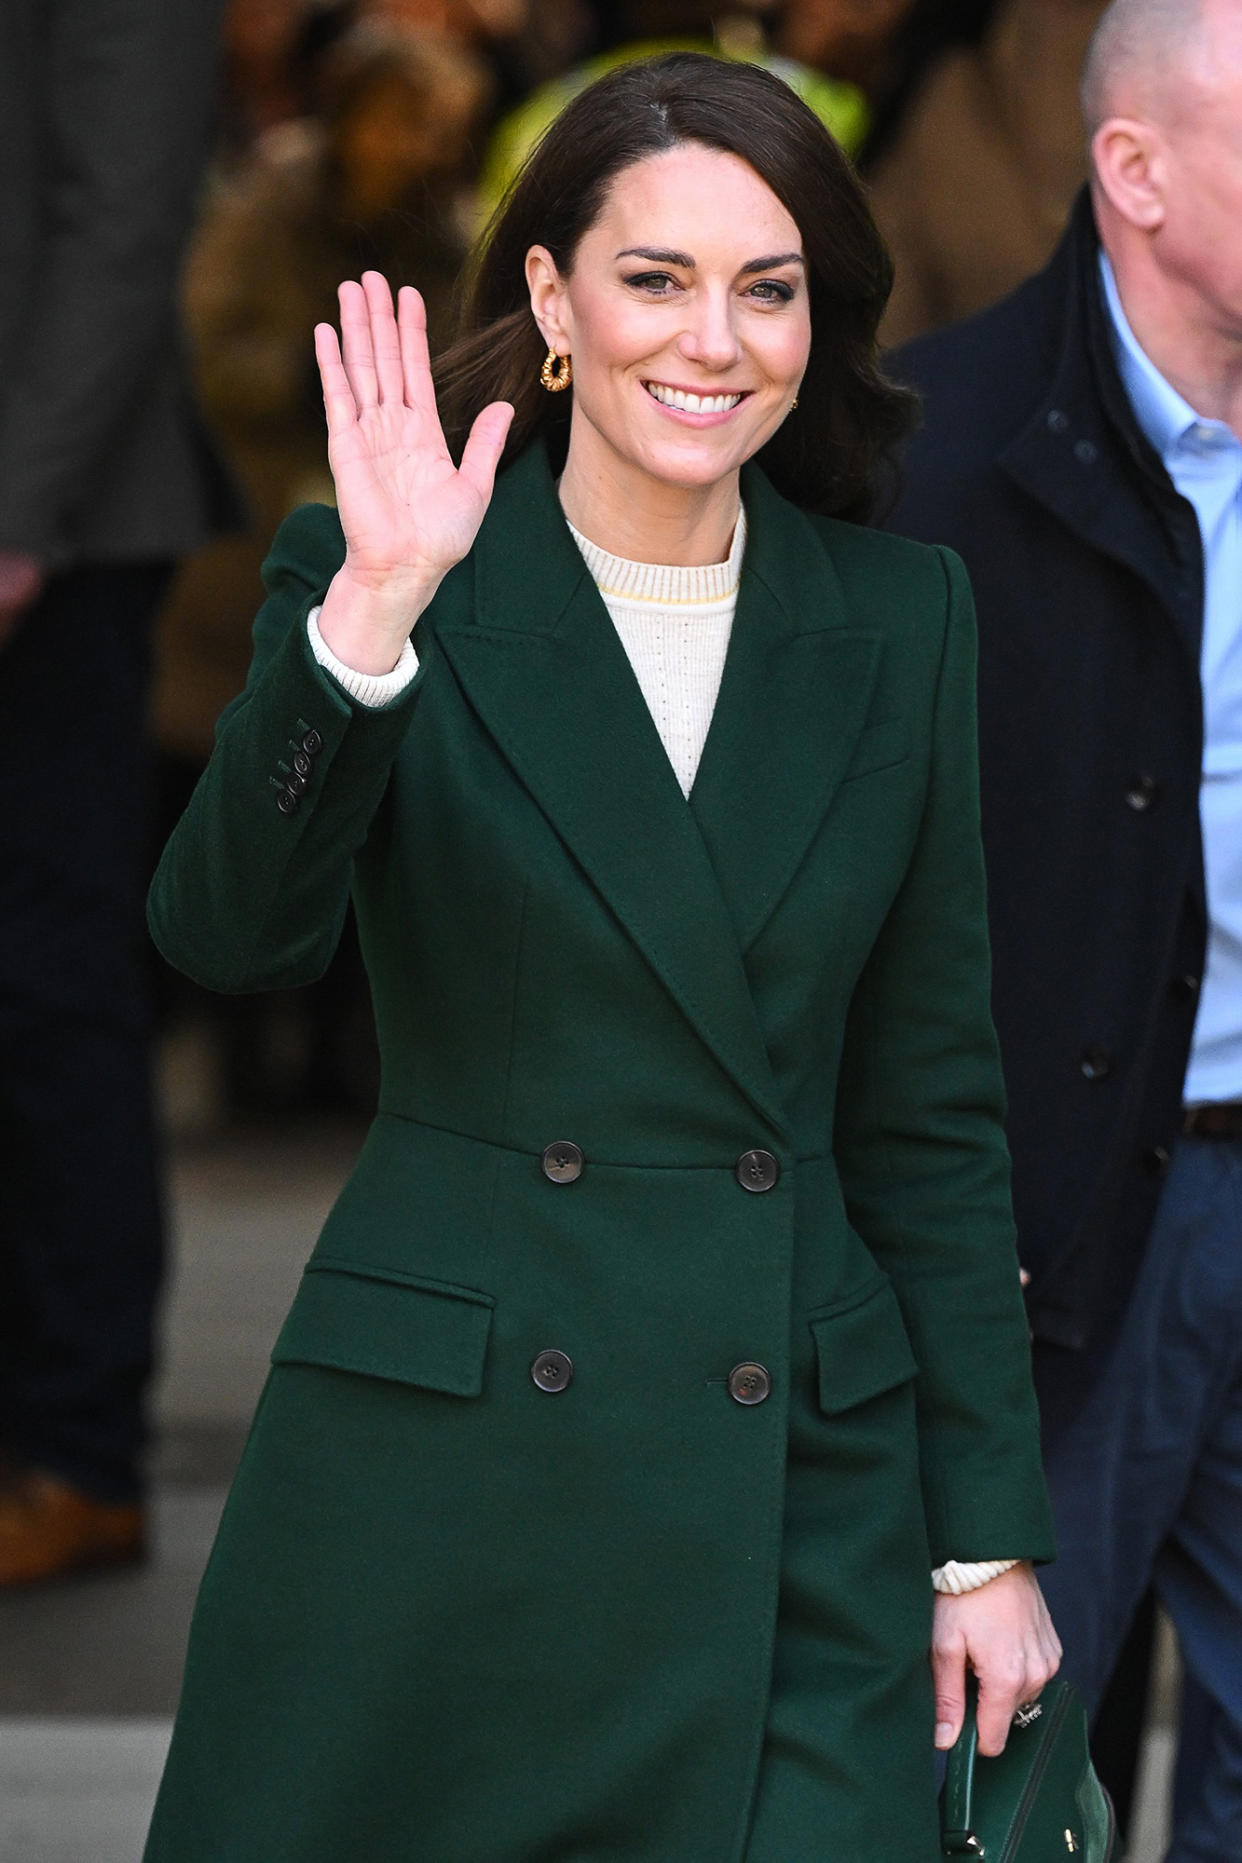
<point>381,133</point>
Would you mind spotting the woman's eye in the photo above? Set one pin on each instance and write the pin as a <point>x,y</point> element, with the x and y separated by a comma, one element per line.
<point>658,283</point>
<point>771,291</point>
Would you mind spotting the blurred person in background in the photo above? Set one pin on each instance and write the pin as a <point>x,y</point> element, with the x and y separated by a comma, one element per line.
<point>1082,448</point>
<point>470,22</point>
<point>976,182</point>
<point>105,479</point>
<point>272,50</point>
<point>851,39</point>
<point>645,29</point>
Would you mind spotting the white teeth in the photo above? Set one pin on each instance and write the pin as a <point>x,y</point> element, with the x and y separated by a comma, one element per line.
<point>691,403</point>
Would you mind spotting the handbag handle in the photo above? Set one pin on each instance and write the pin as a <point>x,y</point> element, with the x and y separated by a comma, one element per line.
<point>957,1837</point>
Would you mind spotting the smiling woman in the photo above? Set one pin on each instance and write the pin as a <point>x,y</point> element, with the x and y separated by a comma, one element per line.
<point>827,256</point>
<point>666,1345</point>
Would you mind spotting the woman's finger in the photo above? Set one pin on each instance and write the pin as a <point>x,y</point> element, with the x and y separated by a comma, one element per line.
<point>338,400</point>
<point>1002,1691</point>
<point>485,444</point>
<point>356,345</point>
<point>415,357</point>
<point>385,347</point>
<point>949,1677</point>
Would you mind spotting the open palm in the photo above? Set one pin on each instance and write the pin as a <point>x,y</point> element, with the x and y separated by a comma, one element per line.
<point>407,512</point>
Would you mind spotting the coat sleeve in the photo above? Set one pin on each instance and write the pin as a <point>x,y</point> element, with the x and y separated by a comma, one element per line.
<point>251,891</point>
<point>922,1155</point>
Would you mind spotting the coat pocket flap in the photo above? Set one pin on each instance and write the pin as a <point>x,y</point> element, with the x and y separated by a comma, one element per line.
<point>352,1317</point>
<point>862,1349</point>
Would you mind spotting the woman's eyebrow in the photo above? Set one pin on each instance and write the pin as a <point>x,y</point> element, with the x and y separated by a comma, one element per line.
<point>770,264</point>
<point>660,254</point>
<point>664,255</point>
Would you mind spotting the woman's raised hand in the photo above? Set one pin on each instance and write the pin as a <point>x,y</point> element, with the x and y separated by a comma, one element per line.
<point>407,512</point>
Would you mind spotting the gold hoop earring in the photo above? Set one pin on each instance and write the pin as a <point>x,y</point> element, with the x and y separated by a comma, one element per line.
<point>557,372</point>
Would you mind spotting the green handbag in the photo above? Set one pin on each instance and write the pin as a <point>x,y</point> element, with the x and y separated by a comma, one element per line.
<point>1039,1800</point>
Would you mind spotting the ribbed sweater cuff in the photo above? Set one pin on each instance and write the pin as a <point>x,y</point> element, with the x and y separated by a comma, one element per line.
<point>370,689</point>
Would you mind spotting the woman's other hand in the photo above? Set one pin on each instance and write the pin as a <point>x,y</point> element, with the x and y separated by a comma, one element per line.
<point>407,512</point>
<point>1004,1634</point>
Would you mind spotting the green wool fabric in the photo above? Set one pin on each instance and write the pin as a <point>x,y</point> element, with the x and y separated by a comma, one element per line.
<point>452,1617</point>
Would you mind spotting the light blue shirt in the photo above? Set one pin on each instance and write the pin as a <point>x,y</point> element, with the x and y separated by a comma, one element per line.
<point>1204,460</point>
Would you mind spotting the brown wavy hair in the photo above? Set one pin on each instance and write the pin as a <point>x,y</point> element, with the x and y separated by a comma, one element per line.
<point>835,453</point>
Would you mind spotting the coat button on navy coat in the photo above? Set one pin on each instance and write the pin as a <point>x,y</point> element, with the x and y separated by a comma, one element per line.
<point>749,1383</point>
<point>1142,792</point>
<point>1096,1064</point>
<point>757,1170</point>
<point>562,1162</point>
<point>552,1370</point>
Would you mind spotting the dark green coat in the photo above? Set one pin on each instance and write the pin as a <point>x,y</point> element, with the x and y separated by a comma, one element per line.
<point>453,1617</point>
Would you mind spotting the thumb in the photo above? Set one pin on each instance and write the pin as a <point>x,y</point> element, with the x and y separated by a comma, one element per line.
<point>486,442</point>
<point>950,1680</point>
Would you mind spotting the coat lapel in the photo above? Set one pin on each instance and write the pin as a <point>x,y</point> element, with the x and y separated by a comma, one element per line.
<point>543,668</point>
<point>797,684</point>
<point>1084,458</point>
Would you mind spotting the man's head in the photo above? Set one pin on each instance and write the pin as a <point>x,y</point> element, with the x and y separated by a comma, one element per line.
<point>1162,98</point>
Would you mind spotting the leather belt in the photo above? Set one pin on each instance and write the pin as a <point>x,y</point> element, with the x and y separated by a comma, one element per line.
<point>1220,1119</point>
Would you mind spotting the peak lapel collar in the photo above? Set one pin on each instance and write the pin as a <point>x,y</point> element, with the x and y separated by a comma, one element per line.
<point>545,672</point>
<point>793,700</point>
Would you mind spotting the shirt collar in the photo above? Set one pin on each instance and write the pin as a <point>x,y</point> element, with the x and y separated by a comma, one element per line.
<point>1166,417</point>
<point>1161,412</point>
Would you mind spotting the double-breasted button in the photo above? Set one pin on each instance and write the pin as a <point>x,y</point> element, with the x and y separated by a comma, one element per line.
<point>562,1162</point>
<point>552,1371</point>
<point>757,1170</point>
<point>1141,792</point>
<point>312,743</point>
<point>1156,1160</point>
<point>1096,1064</point>
<point>1185,988</point>
<point>749,1383</point>
<point>287,802</point>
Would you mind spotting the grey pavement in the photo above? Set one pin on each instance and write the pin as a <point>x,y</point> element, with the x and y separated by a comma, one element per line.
<point>90,1669</point>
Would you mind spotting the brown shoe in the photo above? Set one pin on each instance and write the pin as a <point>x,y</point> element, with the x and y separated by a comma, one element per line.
<point>49,1529</point>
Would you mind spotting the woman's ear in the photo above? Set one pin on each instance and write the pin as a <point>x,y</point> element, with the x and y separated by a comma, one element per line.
<point>548,300</point>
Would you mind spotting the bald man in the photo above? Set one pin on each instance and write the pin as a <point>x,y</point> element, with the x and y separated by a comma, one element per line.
<point>1082,451</point>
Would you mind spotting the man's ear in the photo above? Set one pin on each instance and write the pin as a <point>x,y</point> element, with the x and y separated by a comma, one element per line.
<point>549,300</point>
<point>1128,157</point>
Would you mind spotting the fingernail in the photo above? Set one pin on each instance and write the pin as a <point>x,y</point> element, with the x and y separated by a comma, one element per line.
<point>944,1733</point>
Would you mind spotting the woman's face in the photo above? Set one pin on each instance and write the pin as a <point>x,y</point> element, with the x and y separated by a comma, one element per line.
<point>687,317</point>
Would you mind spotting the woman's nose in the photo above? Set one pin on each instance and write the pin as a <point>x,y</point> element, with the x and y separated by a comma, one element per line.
<point>710,337</point>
